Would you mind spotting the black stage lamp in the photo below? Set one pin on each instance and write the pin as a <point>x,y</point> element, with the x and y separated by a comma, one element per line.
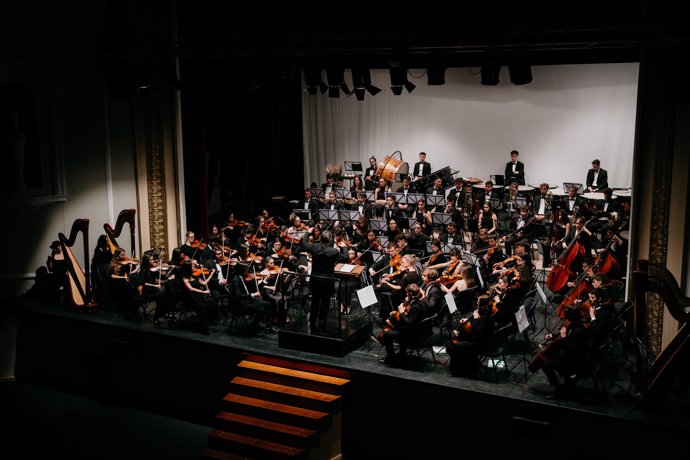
<point>436,72</point>
<point>490,72</point>
<point>520,73</point>
<point>312,79</point>
<point>361,81</point>
<point>336,81</point>
<point>399,80</point>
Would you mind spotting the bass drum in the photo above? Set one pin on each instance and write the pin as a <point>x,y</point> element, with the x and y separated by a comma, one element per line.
<point>391,167</point>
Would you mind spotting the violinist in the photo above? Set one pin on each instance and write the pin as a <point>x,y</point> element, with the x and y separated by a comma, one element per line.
<point>295,231</point>
<point>232,228</point>
<point>521,229</point>
<point>215,236</point>
<point>491,257</point>
<point>281,254</point>
<point>454,264</point>
<point>432,295</point>
<point>437,256</point>
<point>567,356</point>
<point>197,294</point>
<point>469,338</point>
<point>506,298</point>
<point>404,324</point>
<point>195,249</point>
<point>244,292</point>
<point>358,230</point>
<point>270,285</point>
<point>387,263</point>
<point>396,282</point>
<point>153,289</point>
<point>265,231</point>
<point>465,281</point>
<point>247,244</point>
<point>122,291</point>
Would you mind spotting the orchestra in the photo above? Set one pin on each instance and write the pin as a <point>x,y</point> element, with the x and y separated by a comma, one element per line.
<point>411,259</point>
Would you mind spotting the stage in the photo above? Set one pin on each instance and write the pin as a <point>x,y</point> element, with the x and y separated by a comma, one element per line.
<point>184,375</point>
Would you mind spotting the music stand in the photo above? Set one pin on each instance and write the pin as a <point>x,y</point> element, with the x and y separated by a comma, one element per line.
<point>384,240</point>
<point>367,297</point>
<point>448,246</point>
<point>520,201</point>
<point>472,260</point>
<point>328,214</point>
<point>522,322</point>
<point>355,166</point>
<point>580,188</point>
<point>400,198</point>
<point>546,305</point>
<point>370,195</point>
<point>435,200</point>
<point>317,192</point>
<point>378,225</point>
<point>428,247</point>
<point>343,193</point>
<point>411,222</point>
<point>349,215</point>
<point>497,179</point>
<point>413,198</point>
<point>303,214</point>
<point>440,218</point>
<point>376,256</point>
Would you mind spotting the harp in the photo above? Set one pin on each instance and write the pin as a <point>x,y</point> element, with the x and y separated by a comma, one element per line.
<point>80,292</point>
<point>125,216</point>
<point>653,378</point>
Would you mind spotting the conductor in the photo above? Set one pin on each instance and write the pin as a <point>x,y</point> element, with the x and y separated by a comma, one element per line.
<point>324,259</point>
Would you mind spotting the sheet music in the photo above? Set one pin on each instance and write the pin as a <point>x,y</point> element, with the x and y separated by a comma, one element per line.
<point>366,296</point>
<point>522,320</point>
<point>347,268</point>
<point>450,301</point>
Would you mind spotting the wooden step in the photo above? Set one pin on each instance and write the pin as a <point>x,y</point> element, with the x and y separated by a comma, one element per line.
<point>298,365</point>
<point>213,454</point>
<point>265,429</point>
<point>276,412</point>
<point>292,377</point>
<point>255,448</point>
<point>286,394</point>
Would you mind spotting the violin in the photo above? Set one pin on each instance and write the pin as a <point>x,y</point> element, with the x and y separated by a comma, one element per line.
<point>199,271</point>
<point>196,244</point>
<point>447,280</point>
<point>236,223</point>
<point>128,261</point>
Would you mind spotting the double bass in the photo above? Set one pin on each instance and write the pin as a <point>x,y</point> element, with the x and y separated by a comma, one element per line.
<point>560,273</point>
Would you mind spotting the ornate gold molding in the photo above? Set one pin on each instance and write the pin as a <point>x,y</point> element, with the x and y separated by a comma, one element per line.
<point>658,245</point>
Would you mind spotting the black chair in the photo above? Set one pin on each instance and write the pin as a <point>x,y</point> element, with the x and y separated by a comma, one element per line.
<point>616,289</point>
<point>237,316</point>
<point>494,354</point>
<point>421,341</point>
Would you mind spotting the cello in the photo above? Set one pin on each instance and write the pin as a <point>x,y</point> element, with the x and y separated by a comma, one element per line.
<point>559,274</point>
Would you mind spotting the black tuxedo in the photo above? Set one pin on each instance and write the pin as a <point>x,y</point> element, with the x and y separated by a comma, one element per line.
<point>367,209</point>
<point>517,176</point>
<point>312,205</point>
<point>424,167</point>
<point>579,203</point>
<point>456,238</point>
<point>392,213</point>
<point>602,179</point>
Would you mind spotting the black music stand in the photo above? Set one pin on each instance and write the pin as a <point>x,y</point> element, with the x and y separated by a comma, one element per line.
<point>317,192</point>
<point>411,222</point>
<point>441,218</point>
<point>370,195</point>
<point>349,215</point>
<point>303,214</point>
<point>579,187</point>
<point>413,198</point>
<point>547,304</point>
<point>497,179</point>
<point>343,193</point>
<point>328,214</point>
<point>376,256</point>
<point>378,225</point>
<point>446,247</point>
<point>435,200</point>
<point>384,240</point>
<point>354,166</point>
<point>400,198</point>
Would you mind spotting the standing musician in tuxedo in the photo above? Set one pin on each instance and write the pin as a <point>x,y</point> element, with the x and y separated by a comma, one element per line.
<point>597,178</point>
<point>370,177</point>
<point>515,170</point>
<point>404,324</point>
<point>324,259</point>
<point>421,168</point>
<point>469,338</point>
<point>311,204</point>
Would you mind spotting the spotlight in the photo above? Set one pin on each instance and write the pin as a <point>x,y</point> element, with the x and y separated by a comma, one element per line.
<point>361,81</point>
<point>312,79</point>
<point>490,73</point>
<point>399,80</point>
<point>336,81</point>
<point>436,72</point>
<point>520,73</point>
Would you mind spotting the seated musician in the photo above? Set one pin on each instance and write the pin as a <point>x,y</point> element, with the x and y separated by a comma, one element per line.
<point>197,295</point>
<point>490,195</point>
<point>566,354</point>
<point>436,188</point>
<point>457,191</point>
<point>365,209</point>
<point>403,247</point>
<point>282,255</point>
<point>451,235</point>
<point>244,291</point>
<point>423,216</point>
<point>332,202</point>
<point>506,298</point>
<point>296,227</point>
<point>357,185</point>
<point>390,209</point>
<point>393,230</point>
<point>311,204</point>
<point>328,186</point>
<point>270,285</point>
<point>403,323</point>
<point>454,212</point>
<point>215,236</point>
<point>358,230</point>
<point>407,187</point>
<point>417,240</point>
<point>481,243</point>
<point>465,281</point>
<point>437,256</point>
<point>581,234</point>
<point>432,295</point>
<point>191,247</point>
<point>453,267</point>
<point>600,318</point>
<point>510,203</point>
<point>380,193</point>
<point>573,204</point>
<point>604,211</point>
<point>366,247</point>
<point>488,219</point>
<point>521,228</point>
<point>618,248</point>
<point>469,338</point>
<point>395,283</point>
<point>122,288</point>
<point>492,255</point>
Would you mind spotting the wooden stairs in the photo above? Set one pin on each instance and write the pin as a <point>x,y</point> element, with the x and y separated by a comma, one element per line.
<point>279,409</point>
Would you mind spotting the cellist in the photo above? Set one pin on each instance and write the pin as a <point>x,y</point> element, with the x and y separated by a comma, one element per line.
<point>471,336</point>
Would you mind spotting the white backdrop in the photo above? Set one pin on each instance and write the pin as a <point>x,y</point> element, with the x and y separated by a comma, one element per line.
<point>568,116</point>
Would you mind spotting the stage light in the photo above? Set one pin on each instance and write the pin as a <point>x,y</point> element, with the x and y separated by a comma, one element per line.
<point>312,79</point>
<point>520,73</point>
<point>490,72</point>
<point>436,72</point>
<point>361,81</point>
<point>336,81</point>
<point>399,80</point>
